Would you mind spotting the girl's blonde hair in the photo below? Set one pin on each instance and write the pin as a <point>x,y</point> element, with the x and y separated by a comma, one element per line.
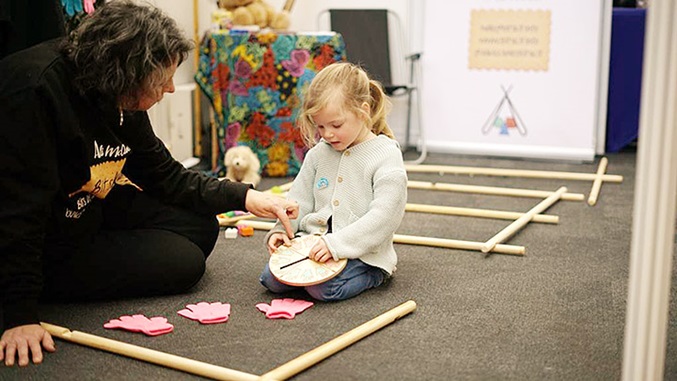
<point>349,84</point>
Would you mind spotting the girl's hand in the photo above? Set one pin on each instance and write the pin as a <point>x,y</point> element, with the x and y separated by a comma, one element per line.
<point>20,340</point>
<point>277,239</point>
<point>320,252</point>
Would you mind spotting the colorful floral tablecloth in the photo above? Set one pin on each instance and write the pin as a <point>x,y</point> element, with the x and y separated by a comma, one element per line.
<point>255,82</point>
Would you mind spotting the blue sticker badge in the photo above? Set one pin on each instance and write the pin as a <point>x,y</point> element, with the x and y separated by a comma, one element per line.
<point>322,183</point>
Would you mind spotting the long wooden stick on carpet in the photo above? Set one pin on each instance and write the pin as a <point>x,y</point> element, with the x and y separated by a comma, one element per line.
<point>282,188</point>
<point>511,173</point>
<point>417,240</point>
<point>230,221</point>
<point>327,349</point>
<point>522,221</point>
<point>456,244</point>
<point>597,184</point>
<point>149,355</point>
<point>475,212</point>
<point>435,209</point>
<point>498,191</point>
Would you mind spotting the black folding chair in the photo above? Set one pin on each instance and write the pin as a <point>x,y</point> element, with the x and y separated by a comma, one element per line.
<point>367,35</point>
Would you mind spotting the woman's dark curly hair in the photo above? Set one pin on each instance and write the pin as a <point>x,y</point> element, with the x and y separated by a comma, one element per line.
<point>123,48</point>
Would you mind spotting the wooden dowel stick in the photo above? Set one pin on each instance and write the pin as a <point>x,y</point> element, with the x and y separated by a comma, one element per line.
<point>215,141</point>
<point>230,221</point>
<point>522,221</point>
<point>417,240</point>
<point>258,225</point>
<point>491,190</point>
<point>149,355</point>
<point>327,349</point>
<point>284,187</point>
<point>511,173</point>
<point>456,244</point>
<point>482,213</point>
<point>435,209</point>
<point>288,5</point>
<point>597,184</point>
<point>197,109</point>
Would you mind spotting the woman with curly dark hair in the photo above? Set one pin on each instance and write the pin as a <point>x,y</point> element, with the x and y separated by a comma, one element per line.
<point>92,205</point>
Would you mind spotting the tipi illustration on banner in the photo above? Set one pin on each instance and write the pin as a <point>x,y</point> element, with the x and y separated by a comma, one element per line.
<point>502,119</point>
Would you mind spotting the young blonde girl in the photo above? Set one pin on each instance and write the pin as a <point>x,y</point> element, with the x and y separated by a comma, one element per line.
<point>352,186</point>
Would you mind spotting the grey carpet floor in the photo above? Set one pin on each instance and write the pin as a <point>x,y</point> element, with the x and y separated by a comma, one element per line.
<point>557,313</point>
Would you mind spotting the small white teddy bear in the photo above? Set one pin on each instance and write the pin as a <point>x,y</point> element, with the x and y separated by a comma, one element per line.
<point>242,165</point>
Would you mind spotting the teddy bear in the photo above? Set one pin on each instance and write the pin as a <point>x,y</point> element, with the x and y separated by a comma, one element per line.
<point>242,165</point>
<point>257,12</point>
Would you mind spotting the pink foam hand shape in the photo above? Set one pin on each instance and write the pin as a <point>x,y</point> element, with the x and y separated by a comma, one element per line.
<point>140,323</point>
<point>89,6</point>
<point>286,308</point>
<point>207,313</point>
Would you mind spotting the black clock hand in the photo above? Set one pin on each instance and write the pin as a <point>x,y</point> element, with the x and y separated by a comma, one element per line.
<point>293,263</point>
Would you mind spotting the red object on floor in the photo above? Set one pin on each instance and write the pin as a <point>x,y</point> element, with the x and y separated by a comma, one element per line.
<point>246,231</point>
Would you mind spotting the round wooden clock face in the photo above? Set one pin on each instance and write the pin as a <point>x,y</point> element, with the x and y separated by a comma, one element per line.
<point>291,265</point>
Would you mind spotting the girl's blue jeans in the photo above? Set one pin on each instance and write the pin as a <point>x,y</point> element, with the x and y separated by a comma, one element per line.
<point>355,278</point>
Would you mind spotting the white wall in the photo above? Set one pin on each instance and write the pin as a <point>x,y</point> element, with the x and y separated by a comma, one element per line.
<point>561,105</point>
<point>172,118</point>
<point>304,18</point>
<point>182,12</point>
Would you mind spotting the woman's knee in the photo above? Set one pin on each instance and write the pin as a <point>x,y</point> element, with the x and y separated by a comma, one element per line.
<point>211,234</point>
<point>184,266</point>
<point>135,263</point>
<point>201,229</point>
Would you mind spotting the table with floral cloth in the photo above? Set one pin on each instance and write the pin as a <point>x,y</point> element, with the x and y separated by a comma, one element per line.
<point>255,82</point>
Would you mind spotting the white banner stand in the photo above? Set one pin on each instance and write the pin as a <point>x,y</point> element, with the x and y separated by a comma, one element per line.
<point>516,78</point>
